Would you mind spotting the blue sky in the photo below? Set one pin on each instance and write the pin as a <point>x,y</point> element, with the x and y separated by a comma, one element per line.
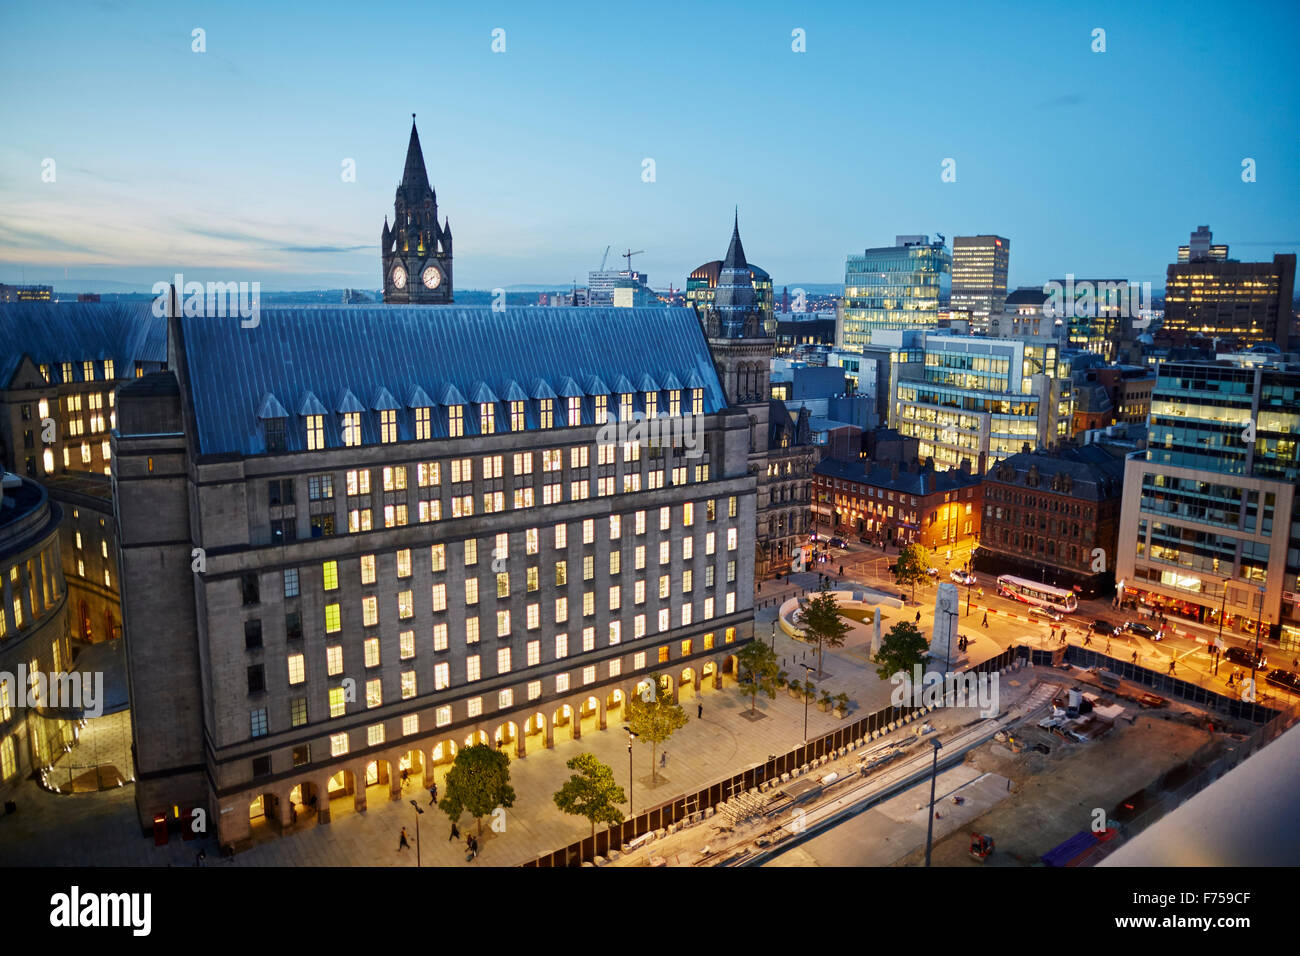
<point>227,164</point>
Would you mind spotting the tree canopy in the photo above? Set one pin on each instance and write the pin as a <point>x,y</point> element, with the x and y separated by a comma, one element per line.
<point>757,671</point>
<point>654,716</point>
<point>901,649</point>
<point>913,565</point>
<point>591,792</point>
<point>478,782</point>
<point>820,621</point>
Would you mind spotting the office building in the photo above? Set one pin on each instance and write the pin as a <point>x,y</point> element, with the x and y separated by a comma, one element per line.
<point>702,284</point>
<point>980,400</point>
<point>979,277</point>
<point>1207,530</point>
<point>1047,513</point>
<point>1244,303</point>
<point>892,288</point>
<point>355,539</point>
<point>897,504</point>
<point>1201,248</point>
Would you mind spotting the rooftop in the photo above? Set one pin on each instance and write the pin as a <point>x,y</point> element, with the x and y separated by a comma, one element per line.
<point>923,482</point>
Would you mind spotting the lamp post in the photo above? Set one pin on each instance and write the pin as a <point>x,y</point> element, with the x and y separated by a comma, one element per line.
<point>778,614</point>
<point>806,695</point>
<point>1218,644</point>
<point>1259,618</point>
<point>630,737</point>
<point>419,811</point>
<point>934,773</point>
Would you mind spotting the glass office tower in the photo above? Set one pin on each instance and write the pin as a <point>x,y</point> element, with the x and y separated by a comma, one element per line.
<point>1210,526</point>
<point>894,287</point>
<point>979,277</point>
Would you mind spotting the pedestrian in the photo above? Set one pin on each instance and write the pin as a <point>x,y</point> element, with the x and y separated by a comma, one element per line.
<point>918,617</point>
<point>663,759</point>
<point>986,618</point>
<point>405,774</point>
<point>455,833</point>
<point>433,793</point>
<point>1108,645</point>
<point>699,711</point>
<point>200,857</point>
<point>1172,665</point>
<point>841,570</point>
<point>1087,639</point>
<point>1135,657</point>
<point>404,844</point>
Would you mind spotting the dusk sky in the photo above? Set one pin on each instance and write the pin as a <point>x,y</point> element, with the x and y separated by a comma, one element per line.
<point>227,164</point>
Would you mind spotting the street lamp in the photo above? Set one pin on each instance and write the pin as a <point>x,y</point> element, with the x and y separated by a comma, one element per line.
<point>806,695</point>
<point>1259,618</point>
<point>778,614</point>
<point>419,811</point>
<point>630,737</point>
<point>934,773</point>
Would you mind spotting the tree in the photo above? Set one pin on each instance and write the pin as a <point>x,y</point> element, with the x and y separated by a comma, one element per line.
<point>820,621</point>
<point>479,781</point>
<point>591,792</point>
<point>900,650</point>
<point>913,565</point>
<point>655,719</point>
<point>758,671</point>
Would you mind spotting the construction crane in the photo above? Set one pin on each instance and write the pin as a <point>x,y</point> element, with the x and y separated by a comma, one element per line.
<point>604,257</point>
<point>628,256</point>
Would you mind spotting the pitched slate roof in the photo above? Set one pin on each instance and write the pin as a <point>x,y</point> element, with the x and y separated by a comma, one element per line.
<point>924,482</point>
<point>446,351</point>
<point>55,332</point>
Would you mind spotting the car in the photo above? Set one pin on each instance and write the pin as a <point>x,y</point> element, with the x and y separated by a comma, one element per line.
<point>933,572</point>
<point>1284,679</point>
<point>1141,630</point>
<point>838,543</point>
<point>1103,627</point>
<point>1246,658</point>
<point>962,577</point>
<point>1044,614</point>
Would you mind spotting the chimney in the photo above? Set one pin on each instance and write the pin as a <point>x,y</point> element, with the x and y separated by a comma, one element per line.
<point>929,463</point>
<point>983,462</point>
<point>964,467</point>
<point>893,470</point>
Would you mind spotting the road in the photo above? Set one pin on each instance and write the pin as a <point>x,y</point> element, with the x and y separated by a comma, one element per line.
<point>1187,647</point>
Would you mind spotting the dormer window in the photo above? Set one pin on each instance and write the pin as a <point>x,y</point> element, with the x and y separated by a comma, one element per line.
<point>422,426</point>
<point>516,416</point>
<point>487,419</point>
<point>351,429</point>
<point>674,402</point>
<point>108,370</point>
<point>651,404</point>
<point>67,372</point>
<point>275,435</point>
<point>315,432</point>
<point>575,411</point>
<point>602,409</point>
<point>547,412</point>
<point>625,407</point>
<point>88,370</point>
<point>45,372</point>
<point>697,401</point>
<point>388,426</point>
<point>455,421</point>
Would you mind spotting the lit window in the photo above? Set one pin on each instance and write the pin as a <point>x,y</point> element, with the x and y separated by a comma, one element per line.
<point>440,596</point>
<point>575,411</point>
<point>534,689</point>
<point>338,702</point>
<point>534,650</point>
<point>503,660</point>
<point>334,660</point>
<point>503,623</point>
<point>406,645</point>
<point>665,518</point>
<point>332,624</point>
<point>410,722</point>
<point>297,669</point>
<point>561,683</point>
<point>404,563</point>
<point>471,591</point>
<point>408,684</point>
<point>440,637</point>
<point>375,735</point>
<point>374,693</point>
<point>438,557</point>
<point>487,418</point>
<point>589,674</point>
<point>455,421</point>
<point>441,676</point>
<point>471,630</point>
<point>561,610</point>
<point>664,620</point>
<point>547,412</point>
<point>561,646</point>
<point>505,698</point>
<point>371,649</point>
<point>370,610</point>
<point>472,667</point>
<point>388,426</point>
<point>422,430</point>
<point>351,429</point>
<point>516,416</point>
<point>442,716</point>
<point>338,745</point>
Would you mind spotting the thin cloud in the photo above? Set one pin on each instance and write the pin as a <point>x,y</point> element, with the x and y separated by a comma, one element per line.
<point>1065,99</point>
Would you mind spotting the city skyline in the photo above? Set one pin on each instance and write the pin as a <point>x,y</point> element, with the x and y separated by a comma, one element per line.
<point>154,191</point>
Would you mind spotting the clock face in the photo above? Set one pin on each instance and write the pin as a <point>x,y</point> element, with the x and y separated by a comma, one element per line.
<point>399,277</point>
<point>432,277</point>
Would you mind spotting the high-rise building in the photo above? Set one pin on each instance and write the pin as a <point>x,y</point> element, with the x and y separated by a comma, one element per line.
<point>416,251</point>
<point>1210,506</point>
<point>1243,302</point>
<point>355,539</point>
<point>980,400</point>
<point>1201,248</point>
<point>979,277</point>
<point>893,287</point>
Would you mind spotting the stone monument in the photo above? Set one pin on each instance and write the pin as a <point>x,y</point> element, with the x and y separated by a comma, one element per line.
<point>943,637</point>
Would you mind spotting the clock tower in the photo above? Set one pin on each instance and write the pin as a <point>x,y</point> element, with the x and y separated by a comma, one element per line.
<point>416,251</point>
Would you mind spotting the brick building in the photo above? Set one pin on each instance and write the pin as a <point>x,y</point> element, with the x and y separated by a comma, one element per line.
<point>1045,515</point>
<point>896,505</point>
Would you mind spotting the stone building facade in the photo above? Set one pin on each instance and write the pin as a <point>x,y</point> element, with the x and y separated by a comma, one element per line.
<point>357,539</point>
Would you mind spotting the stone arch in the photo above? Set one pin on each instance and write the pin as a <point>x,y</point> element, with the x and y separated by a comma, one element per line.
<point>506,735</point>
<point>537,732</point>
<point>341,793</point>
<point>563,719</point>
<point>476,737</point>
<point>591,714</point>
<point>687,678</point>
<point>614,703</point>
<point>443,753</point>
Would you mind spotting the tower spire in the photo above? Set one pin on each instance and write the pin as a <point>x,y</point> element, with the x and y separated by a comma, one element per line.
<point>414,178</point>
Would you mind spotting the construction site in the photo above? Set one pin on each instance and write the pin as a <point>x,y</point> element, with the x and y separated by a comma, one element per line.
<point>1077,762</point>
